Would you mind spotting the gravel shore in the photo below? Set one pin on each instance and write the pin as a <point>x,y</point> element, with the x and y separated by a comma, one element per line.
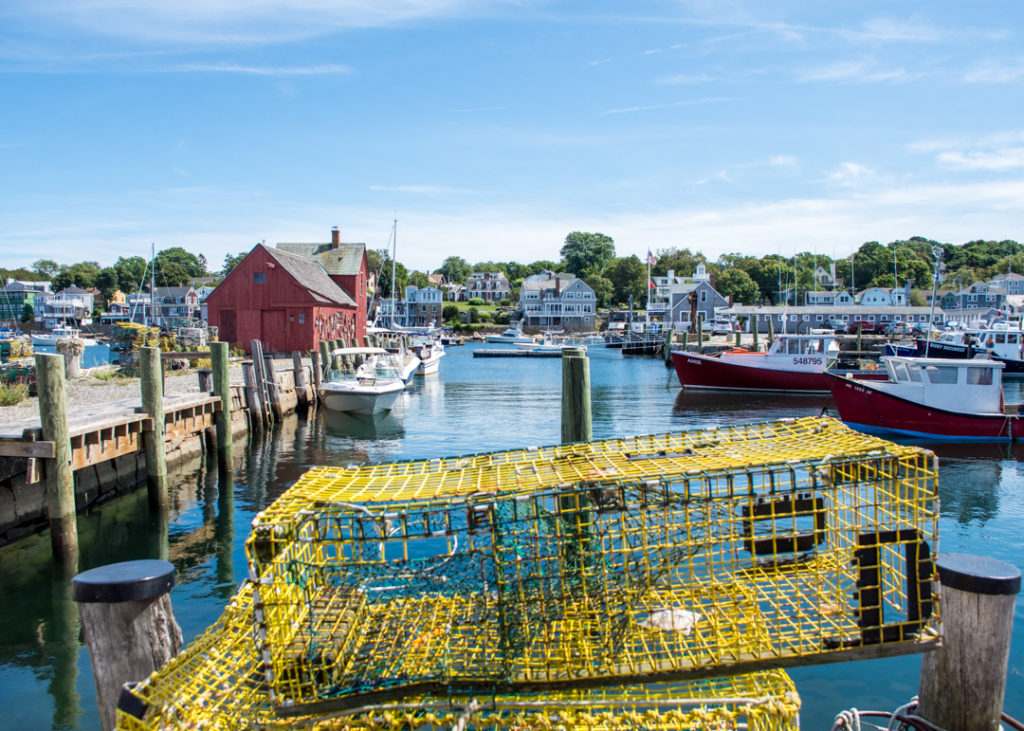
<point>89,390</point>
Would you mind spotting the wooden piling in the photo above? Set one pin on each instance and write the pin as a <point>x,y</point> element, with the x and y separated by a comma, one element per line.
<point>667,349</point>
<point>273,391</point>
<point>771,334</point>
<point>301,388</point>
<point>222,389</point>
<point>964,680</point>
<point>205,380</point>
<point>60,479</point>
<point>753,331</point>
<point>577,425</point>
<point>317,375</point>
<point>153,404</point>
<point>700,332</point>
<point>129,627</point>
<point>252,397</point>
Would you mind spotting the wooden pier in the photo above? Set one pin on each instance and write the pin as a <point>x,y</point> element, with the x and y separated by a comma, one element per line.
<point>515,353</point>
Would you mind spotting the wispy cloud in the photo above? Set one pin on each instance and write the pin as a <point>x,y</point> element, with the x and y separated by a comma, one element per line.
<point>858,72</point>
<point>995,152</point>
<point>851,174</point>
<point>996,72</point>
<point>670,105</point>
<point>227,68</point>
<point>424,190</point>
<point>684,79</point>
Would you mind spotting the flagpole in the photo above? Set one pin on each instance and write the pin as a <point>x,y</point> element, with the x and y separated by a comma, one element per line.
<point>648,290</point>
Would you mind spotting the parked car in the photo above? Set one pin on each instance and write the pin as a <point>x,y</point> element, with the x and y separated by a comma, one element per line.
<point>864,326</point>
<point>721,327</point>
<point>837,324</point>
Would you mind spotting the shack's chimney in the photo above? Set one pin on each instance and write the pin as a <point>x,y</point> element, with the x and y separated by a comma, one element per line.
<point>335,236</point>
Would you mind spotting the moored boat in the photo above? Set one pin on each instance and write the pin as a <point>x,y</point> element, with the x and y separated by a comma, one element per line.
<point>372,386</point>
<point>930,398</point>
<point>429,353</point>
<point>513,334</point>
<point>58,333</point>
<point>795,363</point>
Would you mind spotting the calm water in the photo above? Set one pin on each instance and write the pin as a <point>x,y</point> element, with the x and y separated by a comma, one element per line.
<point>473,405</point>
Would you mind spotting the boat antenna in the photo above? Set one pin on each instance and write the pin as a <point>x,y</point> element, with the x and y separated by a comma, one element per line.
<point>152,284</point>
<point>937,252</point>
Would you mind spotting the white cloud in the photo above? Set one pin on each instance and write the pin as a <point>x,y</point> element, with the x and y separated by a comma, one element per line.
<point>658,107</point>
<point>994,152</point>
<point>234,21</point>
<point>684,79</point>
<point>851,174</point>
<point>996,72</point>
<point>318,70</point>
<point>860,72</point>
<point>1002,159</point>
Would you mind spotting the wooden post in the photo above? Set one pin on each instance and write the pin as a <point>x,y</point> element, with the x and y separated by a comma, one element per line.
<point>301,389</point>
<point>963,681</point>
<point>325,363</point>
<point>667,352</point>
<point>205,380</point>
<point>317,375</point>
<point>753,331</point>
<point>222,389</point>
<point>129,626</point>
<point>686,339</point>
<point>252,396</point>
<point>153,404</point>
<point>738,341</point>
<point>771,334</point>
<point>700,332</point>
<point>859,336</point>
<point>60,478</point>
<point>273,390</point>
<point>577,425</point>
<point>259,363</point>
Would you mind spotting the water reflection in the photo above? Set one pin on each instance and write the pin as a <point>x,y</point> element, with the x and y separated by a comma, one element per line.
<point>358,426</point>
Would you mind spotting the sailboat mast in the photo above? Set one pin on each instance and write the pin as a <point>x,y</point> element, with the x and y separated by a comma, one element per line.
<point>152,282</point>
<point>394,254</point>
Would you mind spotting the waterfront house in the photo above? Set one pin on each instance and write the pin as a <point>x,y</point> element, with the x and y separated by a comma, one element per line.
<point>690,298</point>
<point>827,298</point>
<point>422,306</point>
<point>15,296</point>
<point>70,305</point>
<point>287,301</point>
<point>175,306</point>
<point>488,286</point>
<point>557,300</point>
<point>787,318</point>
<point>1011,282</point>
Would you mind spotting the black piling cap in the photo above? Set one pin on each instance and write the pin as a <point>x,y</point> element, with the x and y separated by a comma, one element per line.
<point>128,581</point>
<point>978,574</point>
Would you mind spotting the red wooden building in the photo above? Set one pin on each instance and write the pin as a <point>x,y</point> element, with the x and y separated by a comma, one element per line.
<point>285,300</point>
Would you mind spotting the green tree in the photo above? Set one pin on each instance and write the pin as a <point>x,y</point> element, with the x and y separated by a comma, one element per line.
<point>231,261</point>
<point>737,284</point>
<point>455,269</point>
<point>175,266</point>
<point>46,268</point>
<point>584,250</point>
<point>27,313</point>
<point>628,277</point>
<point>83,274</point>
<point>450,313</point>
<point>419,279</point>
<point>130,273</point>
<point>681,261</point>
<point>106,283</point>
<point>384,279</point>
<point>603,288</point>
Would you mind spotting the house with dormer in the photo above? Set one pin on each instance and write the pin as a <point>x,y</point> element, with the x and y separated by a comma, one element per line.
<point>560,300</point>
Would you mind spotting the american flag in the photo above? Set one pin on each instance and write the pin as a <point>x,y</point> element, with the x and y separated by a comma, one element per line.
<point>650,258</point>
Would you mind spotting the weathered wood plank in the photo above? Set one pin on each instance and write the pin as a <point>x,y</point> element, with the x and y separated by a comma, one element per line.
<point>31,450</point>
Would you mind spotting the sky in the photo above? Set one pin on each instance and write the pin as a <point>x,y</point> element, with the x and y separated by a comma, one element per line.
<point>490,129</point>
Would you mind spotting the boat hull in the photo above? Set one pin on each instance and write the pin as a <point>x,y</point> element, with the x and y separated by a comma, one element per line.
<point>431,364</point>
<point>353,399</point>
<point>869,410</point>
<point>712,373</point>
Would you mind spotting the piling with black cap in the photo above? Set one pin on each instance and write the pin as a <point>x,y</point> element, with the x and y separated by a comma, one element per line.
<point>153,404</point>
<point>576,414</point>
<point>963,681</point>
<point>128,623</point>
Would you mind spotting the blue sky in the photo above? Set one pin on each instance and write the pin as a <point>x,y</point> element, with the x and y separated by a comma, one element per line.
<point>493,129</point>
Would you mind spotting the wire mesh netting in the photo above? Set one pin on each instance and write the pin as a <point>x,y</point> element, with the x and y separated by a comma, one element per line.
<point>588,579</point>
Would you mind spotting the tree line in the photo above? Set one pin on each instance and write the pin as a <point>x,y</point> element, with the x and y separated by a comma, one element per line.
<point>591,256</point>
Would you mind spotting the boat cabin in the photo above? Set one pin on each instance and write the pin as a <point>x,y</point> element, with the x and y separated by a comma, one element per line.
<point>815,343</point>
<point>961,385</point>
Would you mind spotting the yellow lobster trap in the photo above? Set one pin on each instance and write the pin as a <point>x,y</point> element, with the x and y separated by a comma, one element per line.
<point>215,683</point>
<point>588,566</point>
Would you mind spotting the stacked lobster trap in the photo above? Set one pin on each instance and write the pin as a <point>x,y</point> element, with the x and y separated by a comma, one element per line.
<point>662,577</point>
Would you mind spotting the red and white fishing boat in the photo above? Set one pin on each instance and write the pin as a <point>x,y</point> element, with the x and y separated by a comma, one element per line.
<point>930,398</point>
<point>794,363</point>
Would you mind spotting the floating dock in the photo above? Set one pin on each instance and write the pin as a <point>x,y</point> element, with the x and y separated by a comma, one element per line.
<point>516,353</point>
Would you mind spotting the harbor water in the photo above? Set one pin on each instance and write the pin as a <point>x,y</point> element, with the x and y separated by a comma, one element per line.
<point>472,405</point>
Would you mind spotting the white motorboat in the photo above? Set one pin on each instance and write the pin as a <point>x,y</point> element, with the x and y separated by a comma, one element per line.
<point>367,384</point>
<point>511,335</point>
<point>429,353</point>
<point>548,342</point>
<point>58,333</point>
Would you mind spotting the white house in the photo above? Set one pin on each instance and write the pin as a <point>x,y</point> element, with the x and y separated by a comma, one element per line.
<point>557,300</point>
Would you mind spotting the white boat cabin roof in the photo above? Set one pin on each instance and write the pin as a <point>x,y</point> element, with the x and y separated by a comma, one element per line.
<point>359,351</point>
<point>803,343</point>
